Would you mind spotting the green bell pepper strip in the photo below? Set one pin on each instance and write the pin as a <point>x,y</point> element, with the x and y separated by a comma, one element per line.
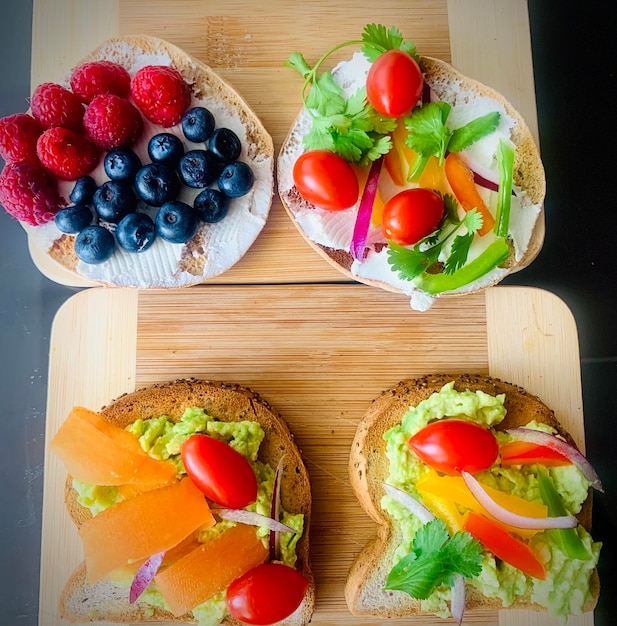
<point>505,162</point>
<point>566,538</point>
<point>433,284</point>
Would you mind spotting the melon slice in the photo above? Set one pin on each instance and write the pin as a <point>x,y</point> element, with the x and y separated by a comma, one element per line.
<point>97,452</point>
<point>210,568</point>
<point>149,523</point>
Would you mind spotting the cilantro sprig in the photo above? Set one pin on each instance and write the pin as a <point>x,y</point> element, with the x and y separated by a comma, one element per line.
<point>350,126</point>
<point>410,262</point>
<point>434,560</point>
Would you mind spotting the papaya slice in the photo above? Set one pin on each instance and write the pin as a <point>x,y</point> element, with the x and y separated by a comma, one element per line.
<point>210,568</point>
<point>134,529</point>
<point>114,456</point>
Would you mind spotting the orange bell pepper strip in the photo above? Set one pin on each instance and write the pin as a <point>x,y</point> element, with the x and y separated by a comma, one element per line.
<point>527,453</point>
<point>496,539</point>
<point>460,178</point>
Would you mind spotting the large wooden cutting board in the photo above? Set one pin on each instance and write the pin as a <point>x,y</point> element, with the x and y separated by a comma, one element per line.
<point>246,42</point>
<point>319,354</point>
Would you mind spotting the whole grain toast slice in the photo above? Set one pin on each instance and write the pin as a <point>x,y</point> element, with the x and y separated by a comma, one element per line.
<point>369,467</point>
<point>81,602</point>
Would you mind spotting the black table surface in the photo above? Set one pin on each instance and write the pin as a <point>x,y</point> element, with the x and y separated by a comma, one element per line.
<point>575,64</point>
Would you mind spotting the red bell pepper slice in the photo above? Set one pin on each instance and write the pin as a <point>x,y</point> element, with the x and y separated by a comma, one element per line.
<point>503,545</point>
<point>526,453</point>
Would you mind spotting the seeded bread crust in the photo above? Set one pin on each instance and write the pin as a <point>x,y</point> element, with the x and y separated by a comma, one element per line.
<point>368,469</point>
<point>203,81</point>
<point>447,83</point>
<point>81,602</point>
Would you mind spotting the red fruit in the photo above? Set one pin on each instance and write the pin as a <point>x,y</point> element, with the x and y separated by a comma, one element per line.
<point>53,105</point>
<point>111,121</point>
<point>161,94</point>
<point>67,154</point>
<point>18,136</point>
<point>97,77</point>
<point>29,193</point>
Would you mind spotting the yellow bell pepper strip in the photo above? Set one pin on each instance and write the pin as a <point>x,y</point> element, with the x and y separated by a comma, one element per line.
<point>445,509</point>
<point>433,177</point>
<point>496,253</point>
<point>464,188</point>
<point>496,539</point>
<point>505,163</point>
<point>566,538</point>
<point>454,488</point>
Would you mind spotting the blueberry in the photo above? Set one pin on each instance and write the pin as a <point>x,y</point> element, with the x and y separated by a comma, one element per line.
<point>83,191</point>
<point>156,184</point>
<point>121,164</point>
<point>197,124</point>
<point>211,205</point>
<point>176,222</point>
<point>225,144</point>
<point>73,219</point>
<point>136,232</point>
<point>236,179</point>
<point>199,168</point>
<point>94,244</point>
<point>165,148</point>
<point>114,199</point>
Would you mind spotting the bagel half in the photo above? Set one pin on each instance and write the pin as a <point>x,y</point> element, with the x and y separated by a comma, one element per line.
<point>369,468</point>
<point>103,601</point>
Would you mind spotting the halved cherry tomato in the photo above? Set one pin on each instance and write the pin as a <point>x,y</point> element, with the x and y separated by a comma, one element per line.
<point>394,83</point>
<point>219,471</point>
<point>326,180</point>
<point>411,215</point>
<point>266,594</point>
<point>452,445</point>
<point>503,545</point>
<point>526,453</point>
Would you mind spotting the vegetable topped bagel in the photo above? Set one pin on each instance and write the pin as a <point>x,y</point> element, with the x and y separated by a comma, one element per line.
<point>192,504</point>
<point>407,175</point>
<point>482,501</point>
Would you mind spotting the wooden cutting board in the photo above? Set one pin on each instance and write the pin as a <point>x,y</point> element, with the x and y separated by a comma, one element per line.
<point>318,354</point>
<point>247,42</point>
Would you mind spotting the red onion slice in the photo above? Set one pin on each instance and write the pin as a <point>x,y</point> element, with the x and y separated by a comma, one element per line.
<point>559,445</point>
<point>514,519</point>
<point>363,219</point>
<point>457,602</point>
<point>274,541</point>
<point>409,502</point>
<point>252,519</point>
<point>144,576</point>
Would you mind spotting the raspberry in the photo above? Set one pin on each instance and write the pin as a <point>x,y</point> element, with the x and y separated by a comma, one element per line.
<point>53,105</point>
<point>67,154</point>
<point>18,135</point>
<point>161,94</point>
<point>97,77</point>
<point>29,193</point>
<point>111,121</point>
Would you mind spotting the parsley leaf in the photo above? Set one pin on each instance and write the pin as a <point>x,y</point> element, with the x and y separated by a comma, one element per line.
<point>377,40</point>
<point>472,131</point>
<point>434,560</point>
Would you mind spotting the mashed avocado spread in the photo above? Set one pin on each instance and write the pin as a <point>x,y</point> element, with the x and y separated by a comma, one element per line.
<point>566,588</point>
<point>162,438</point>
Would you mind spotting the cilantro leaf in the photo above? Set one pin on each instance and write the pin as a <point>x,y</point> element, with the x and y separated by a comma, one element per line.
<point>297,62</point>
<point>451,205</point>
<point>377,40</point>
<point>458,253</point>
<point>325,96</point>
<point>434,560</point>
<point>411,262</point>
<point>473,130</point>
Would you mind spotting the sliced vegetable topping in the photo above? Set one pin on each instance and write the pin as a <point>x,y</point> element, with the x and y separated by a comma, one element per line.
<point>409,502</point>
<point>555,443</point>
<point>503,545</point>
<point>363,218</point>
<point>505,161</point>
<point>145,575</point>
<point>525,453</point>
<point>274,539</point>
<point>514,519</point>
<point>253,519</point>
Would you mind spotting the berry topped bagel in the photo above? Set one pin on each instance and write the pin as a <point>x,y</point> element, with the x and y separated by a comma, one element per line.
<point>404,174</point>
<point>142,169</point>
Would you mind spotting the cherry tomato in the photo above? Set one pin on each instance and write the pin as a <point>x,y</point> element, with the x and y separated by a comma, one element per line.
<point>394,83</point>
<point>411,215</point>
<point>326,180</point>
<point>452,445</point>
<point>266,594</point>
<point>219,471</point>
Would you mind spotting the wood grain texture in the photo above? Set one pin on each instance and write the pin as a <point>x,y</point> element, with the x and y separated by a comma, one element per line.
<point>319,355</point>
<point>247,44</point>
